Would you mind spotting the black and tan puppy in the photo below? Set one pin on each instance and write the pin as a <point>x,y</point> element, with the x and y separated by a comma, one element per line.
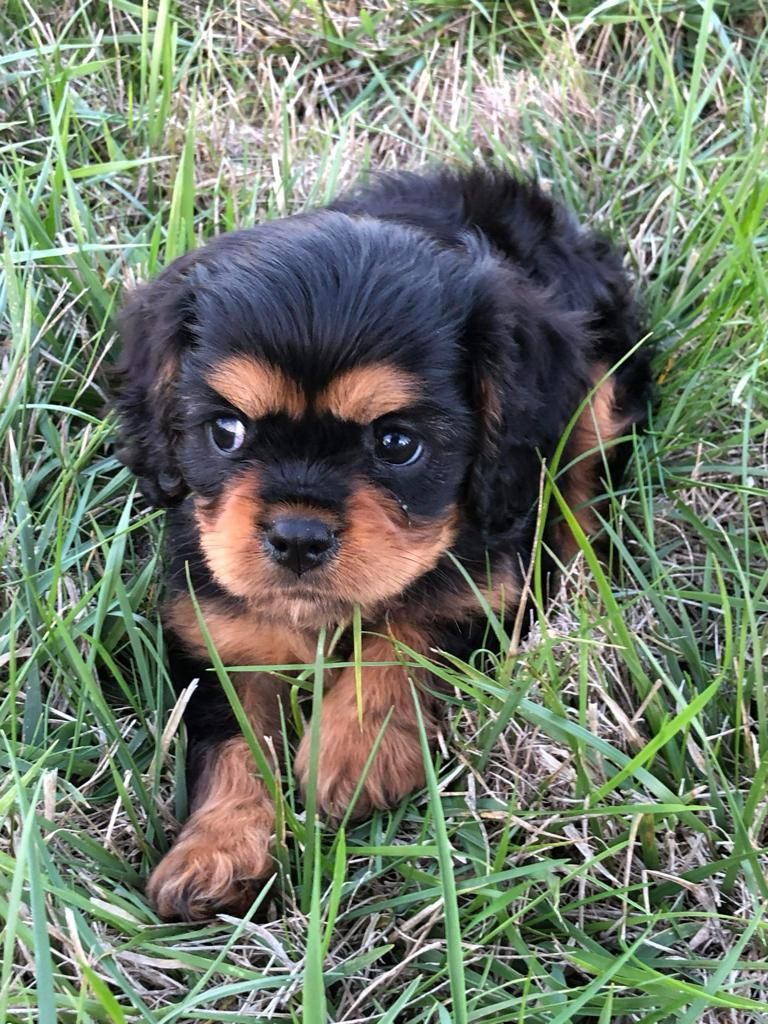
<point>334,407</point>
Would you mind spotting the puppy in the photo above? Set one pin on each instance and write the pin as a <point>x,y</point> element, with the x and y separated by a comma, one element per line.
<point>351,408</point>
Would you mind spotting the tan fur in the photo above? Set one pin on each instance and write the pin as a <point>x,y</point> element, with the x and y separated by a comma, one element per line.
<point>256,388</point>
<point>223,847</point>
<point>302,508</point>
<point>228,537</point>
<point>232,545</point>
<point>225,844</point>
<point>345,744</point>
<point>598,424</point>
<point>241,638</point>
<point>381,551</point>
<point>365,393</point>
<point>361,394</point>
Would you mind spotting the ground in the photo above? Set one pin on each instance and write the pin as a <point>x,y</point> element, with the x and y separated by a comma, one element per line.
<point>592,843</point>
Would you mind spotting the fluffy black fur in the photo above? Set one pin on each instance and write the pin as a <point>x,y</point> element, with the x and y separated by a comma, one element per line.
<point>466,279</point>
<point>479,284</point>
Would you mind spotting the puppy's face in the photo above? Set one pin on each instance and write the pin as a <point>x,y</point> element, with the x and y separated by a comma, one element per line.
<point>320,409</point>
<point>308,501</point>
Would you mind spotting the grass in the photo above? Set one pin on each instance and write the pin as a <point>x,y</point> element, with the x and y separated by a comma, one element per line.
<point>591,846</point>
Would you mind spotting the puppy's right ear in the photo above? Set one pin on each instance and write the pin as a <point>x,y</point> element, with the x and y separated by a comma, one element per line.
<point>155,329</point>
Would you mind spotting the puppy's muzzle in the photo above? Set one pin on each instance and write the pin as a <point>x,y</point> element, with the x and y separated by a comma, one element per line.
<point>300,543</point>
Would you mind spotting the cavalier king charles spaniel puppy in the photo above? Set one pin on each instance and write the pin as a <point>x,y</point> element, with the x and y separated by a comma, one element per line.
<point>350,409</point>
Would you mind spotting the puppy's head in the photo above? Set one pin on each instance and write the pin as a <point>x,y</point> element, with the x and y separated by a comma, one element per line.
<point>332,394</point>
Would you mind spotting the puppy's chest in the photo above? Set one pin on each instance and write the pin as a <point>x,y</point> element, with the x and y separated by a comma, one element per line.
<point>241,637</point>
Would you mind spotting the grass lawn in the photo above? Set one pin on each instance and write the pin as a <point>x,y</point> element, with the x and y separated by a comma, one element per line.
<point>593,842</point>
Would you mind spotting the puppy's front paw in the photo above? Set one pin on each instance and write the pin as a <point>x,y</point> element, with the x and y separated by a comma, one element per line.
<point>211,871</point>
<point>396,770</point>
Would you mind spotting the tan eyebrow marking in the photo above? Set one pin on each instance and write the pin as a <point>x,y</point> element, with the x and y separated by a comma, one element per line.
<point>256,388</point>
<point>365,393</point>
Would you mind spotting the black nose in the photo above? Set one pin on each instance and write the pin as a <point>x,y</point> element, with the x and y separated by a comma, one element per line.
<point>299,544</point>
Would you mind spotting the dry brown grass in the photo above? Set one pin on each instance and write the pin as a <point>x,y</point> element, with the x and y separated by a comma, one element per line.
<point>563,861</point>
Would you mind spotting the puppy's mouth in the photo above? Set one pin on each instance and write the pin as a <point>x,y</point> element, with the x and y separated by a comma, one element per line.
<point>309,601</point>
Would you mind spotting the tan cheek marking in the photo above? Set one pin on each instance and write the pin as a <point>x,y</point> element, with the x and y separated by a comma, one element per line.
<point>382,552</point>
<point>256,388</point>
<point>231,543</point>
<point>365,393</point>
<point>227,536</point>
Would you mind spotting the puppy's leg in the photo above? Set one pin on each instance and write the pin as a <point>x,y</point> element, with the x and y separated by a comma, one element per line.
<point>224,848</point>
<point>346,743</point>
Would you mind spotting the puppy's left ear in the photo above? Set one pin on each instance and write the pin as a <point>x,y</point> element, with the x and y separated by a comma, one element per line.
<point>527,371</point>
<point>155,329</point>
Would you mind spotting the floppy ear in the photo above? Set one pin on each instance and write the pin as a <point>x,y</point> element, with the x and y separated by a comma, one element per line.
<point>528,373</point>
<point>155,329</point>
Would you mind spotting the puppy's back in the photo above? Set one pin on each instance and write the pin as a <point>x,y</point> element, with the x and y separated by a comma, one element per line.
<point>582,270</point>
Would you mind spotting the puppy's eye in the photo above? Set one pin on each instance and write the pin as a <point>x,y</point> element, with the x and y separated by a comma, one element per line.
<point>227,433</point>
<point>397,447</point>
